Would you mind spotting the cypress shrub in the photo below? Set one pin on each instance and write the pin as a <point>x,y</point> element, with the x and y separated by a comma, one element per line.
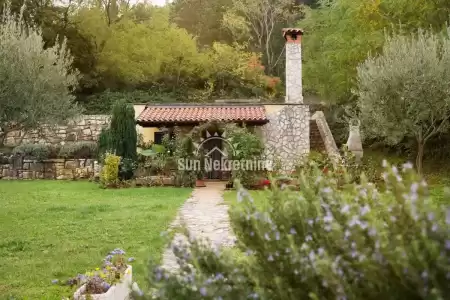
<point>123,131</point>
<point>104,143</point>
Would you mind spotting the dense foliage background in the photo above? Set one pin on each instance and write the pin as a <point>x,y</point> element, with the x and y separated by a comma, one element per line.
<point>193,50</point>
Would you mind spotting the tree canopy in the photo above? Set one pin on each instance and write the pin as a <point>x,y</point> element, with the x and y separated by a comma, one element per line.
<point>36,84</point>
<point>405,91</point>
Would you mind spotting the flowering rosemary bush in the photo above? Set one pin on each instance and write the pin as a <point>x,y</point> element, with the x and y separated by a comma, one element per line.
<point>328,241</point>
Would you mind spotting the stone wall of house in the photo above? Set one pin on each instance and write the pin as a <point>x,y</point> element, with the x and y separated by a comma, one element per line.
<point>286,136</point>
<point>83,128</point>
<point>61,169</point>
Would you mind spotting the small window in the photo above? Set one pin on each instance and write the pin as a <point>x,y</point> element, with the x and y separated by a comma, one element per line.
<point>158,138</point>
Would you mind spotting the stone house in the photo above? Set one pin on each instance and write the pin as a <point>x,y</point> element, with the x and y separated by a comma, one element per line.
<point>288,130</point>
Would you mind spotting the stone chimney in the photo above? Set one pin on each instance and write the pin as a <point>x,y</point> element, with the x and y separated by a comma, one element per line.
<point>294,90</point>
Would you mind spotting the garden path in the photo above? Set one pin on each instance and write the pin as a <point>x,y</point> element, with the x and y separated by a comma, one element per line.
<point>205,216</point>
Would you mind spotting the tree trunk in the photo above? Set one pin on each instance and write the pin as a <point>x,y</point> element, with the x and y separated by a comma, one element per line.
<point>419,157</point>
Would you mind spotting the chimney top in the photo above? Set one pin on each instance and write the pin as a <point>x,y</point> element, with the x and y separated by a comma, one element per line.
<point>292,32</point>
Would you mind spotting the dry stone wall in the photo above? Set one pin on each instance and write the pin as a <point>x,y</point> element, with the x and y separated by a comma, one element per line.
<point>83,128</point>
<point>286,136</point>
<point>61,169</point>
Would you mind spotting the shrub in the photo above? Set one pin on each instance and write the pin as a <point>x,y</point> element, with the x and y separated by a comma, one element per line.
<point>103,143</point>
<point>324,242</point>
<point>83,149</point>
<point>123,133</point>
<point>36,151</point>
<point>109,176</point>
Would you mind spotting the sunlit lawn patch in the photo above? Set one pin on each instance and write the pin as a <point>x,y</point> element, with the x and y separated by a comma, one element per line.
<point>52,229</point>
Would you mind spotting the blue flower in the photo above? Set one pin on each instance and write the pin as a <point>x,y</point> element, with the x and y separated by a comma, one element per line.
<point>131,259</point>
<point>270,258</point>
<point>308,238</point>
<point>277,236</point>
<point>292,231</point>
<point>253,296</point>
<point>219,276</point>
<point>55,281</point>
<point>310,222</point>
<point>203,291</point>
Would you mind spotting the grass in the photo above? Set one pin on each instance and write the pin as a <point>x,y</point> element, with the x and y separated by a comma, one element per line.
<point>55,230</point>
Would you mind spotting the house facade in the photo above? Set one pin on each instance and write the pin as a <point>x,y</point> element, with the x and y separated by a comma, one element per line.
<point>288,130</point>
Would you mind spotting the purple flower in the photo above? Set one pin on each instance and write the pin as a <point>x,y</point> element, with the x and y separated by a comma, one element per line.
<point>308,238</point>
<point>277,236</point>
<point>270,258</point>
<point>447,216</point>
<point>55,281</point>
<point>106,285</point>
<point>310,222</point>
<point>447,244</point>
<point>327,228</point>
<point>253,296</point>
<point>252,233</point>
<point>292,231</point>
<point>327,190</point>
<point>354,221</point>
<point>363,225</point>
<point>219,276</point>
<point>364,210</point>
<point>131,259</point>
<point>414,187</point>
<point>434,228</point>
<point>328,218</point>
<point>312,255</point>
<point>203,291</point>
<point>430,216</point>
<point>345,209</point>
<point>372,232</point>
<point>320,251</point>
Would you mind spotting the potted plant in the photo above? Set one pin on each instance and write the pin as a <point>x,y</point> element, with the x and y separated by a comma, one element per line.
<point>111,282</point>
<point>200,182</point>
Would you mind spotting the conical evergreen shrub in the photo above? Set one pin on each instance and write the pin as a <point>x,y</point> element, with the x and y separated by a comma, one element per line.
<point>123,135</point>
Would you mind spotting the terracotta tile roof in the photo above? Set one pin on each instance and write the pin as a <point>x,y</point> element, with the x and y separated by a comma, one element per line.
<point>158,114</point>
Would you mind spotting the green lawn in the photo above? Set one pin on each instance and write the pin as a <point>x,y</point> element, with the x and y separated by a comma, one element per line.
<point>53,229</point>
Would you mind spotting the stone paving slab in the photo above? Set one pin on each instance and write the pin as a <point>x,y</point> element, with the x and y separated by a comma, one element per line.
<point>205,216</point>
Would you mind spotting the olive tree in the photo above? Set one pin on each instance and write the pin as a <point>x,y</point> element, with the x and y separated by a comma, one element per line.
<point>36,84</point>
<point>404,93</point>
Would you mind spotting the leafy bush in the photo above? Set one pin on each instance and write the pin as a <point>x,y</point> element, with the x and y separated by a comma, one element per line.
<point>83,149</point>
<point>109,176</point>
<point>36,151</point>
<point>325,242</point>
<point>246,147</point>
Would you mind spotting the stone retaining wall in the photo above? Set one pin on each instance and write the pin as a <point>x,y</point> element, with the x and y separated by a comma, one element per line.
<point>61,169</point>
<point>83,128</point>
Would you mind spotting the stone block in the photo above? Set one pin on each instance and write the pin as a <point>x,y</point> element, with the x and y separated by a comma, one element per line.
<point>37,167</point>
<point>27,175</point>
<point>72,164</point>
<point>87,131</point>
